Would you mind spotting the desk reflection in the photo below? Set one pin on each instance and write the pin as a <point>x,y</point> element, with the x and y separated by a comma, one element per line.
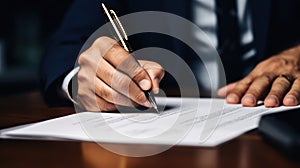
<point>94,156</point>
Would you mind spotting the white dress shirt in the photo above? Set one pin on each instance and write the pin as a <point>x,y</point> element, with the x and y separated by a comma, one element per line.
<point>205,16</point>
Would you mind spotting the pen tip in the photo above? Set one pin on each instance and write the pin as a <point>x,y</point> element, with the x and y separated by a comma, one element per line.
<point>155,107</point>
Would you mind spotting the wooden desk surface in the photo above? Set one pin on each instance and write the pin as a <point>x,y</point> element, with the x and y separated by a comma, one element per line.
<point>246,151</point>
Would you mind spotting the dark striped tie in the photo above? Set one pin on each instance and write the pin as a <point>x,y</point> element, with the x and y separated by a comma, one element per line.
<point>229,38</point>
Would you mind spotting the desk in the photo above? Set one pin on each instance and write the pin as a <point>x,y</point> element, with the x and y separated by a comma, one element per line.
<point>246,151</point>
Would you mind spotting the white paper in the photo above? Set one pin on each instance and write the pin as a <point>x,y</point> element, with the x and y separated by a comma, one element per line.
<point>185,121</point>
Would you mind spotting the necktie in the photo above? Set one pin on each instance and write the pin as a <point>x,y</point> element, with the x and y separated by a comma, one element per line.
<point>229,38</point>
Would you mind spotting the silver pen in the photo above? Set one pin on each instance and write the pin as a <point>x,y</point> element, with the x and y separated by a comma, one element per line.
<point>123,38</point>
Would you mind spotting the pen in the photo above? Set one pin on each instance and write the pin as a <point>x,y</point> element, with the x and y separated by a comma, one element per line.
<point>123,39</point>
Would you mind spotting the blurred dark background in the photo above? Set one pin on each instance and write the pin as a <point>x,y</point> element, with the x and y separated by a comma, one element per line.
<point>25,28</point>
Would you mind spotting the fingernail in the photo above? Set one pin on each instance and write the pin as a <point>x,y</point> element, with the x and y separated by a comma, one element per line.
<point>145,84</point>
<point>147,104</point>
<point>272,101</point>
<point>290,100</point>
<point>232,98</point>
<point>249,99</point>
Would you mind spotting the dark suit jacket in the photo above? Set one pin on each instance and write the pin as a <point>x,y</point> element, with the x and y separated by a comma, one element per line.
<point>275,27</point>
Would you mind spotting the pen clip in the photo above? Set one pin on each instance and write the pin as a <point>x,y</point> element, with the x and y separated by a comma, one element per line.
<point>118,28</point>
<point>119,24</point>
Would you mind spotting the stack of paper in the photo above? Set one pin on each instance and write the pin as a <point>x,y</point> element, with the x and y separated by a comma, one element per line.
<point>184,121</point>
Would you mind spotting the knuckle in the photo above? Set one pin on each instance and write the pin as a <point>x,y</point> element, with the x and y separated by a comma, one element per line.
<point>82,77</point>
<point>295,90</point>
<point>272,64</point>
<point>267,78</point>
<point>246,81</point>
<point>108,75</point>
<point>257,90</point>
<point>140,97</point>
<point>157,71</point>
<point>104,93</point>
<point>253,92</point>
<point>241,86</point>
<point>99,41</point>
<point>103,45</point>
<point>115,49</point>
<point>89,58</point>
<point>277,62</point>
<point>139,74</point>
<point>114,98</point>
<point>83,58</point>
<point>124,86</point>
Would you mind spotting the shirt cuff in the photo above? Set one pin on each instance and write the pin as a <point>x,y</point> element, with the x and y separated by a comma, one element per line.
<point>66,82</point>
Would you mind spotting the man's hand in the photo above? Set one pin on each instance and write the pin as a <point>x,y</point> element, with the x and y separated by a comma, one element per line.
<point>275,80</point>
<point>110,76</point>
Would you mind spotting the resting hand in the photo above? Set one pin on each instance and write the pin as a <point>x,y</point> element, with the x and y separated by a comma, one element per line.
<point>110,76</point>
<point>275,80</point>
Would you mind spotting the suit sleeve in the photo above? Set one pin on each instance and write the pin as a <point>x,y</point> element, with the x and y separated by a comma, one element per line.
<point>80,21</point>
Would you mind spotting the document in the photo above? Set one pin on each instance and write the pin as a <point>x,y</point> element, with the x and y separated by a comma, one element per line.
<point>182,121</point>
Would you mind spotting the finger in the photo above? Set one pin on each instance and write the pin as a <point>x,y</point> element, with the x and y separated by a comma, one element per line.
<point>256,91</point>
<point>103,105</point>
<point>125,62</point>
<point>110,95</point>
<point>293,96</point>
<point>235,94</point>
<point>224,90</point>
<point>111,83</point>
<point>155,72</point>
<point>91,102</point>
<point>279,88</point>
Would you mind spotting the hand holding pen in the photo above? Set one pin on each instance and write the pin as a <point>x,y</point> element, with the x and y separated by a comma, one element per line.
<point>123,40</point>
<point>104,81</point>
